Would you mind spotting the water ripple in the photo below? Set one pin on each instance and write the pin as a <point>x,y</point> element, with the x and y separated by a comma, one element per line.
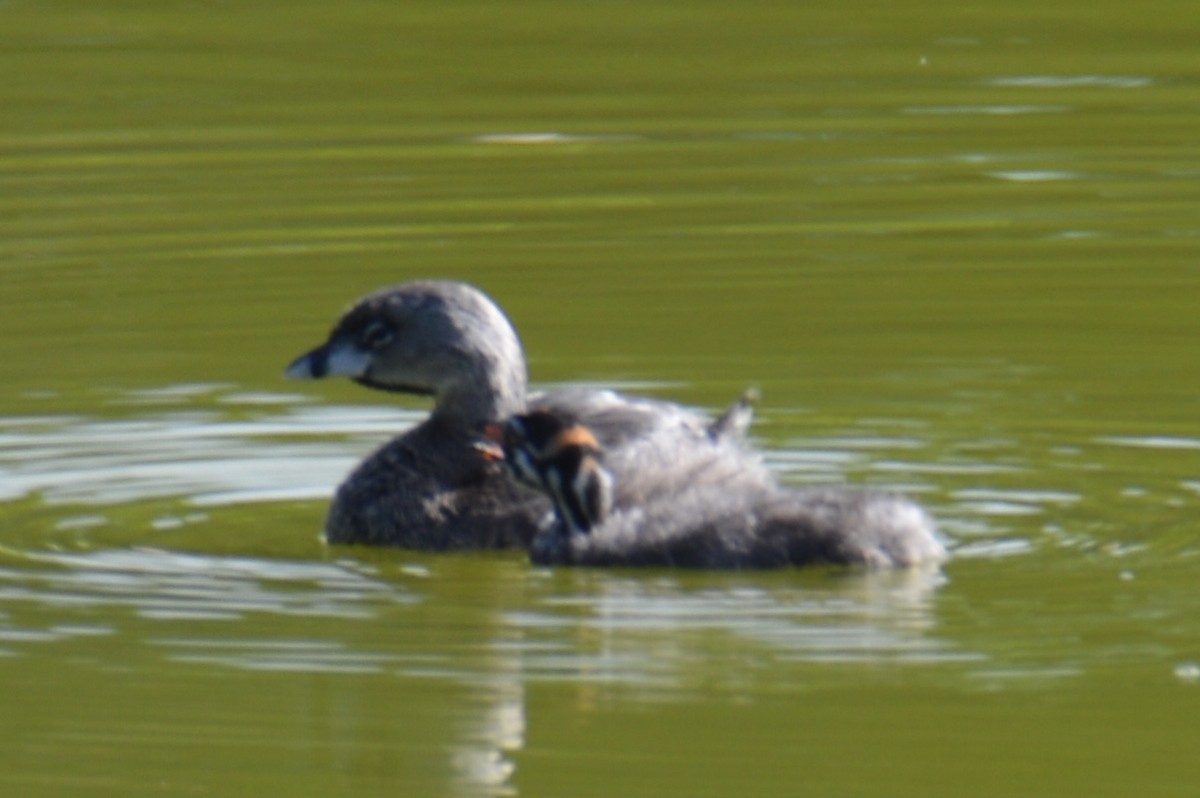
<point>199,455</point>
<point>164,585</point>
<point>295,656</point>
<point>1150,441</point>
<point>1073,81</point>
<point>986,110</point>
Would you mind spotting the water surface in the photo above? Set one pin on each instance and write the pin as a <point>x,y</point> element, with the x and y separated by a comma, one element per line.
<point>954,248</point>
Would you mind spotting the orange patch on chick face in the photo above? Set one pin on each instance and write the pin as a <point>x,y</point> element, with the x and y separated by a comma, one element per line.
<point>578,435</point>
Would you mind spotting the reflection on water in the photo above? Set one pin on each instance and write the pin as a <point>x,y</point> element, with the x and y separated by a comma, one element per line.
<point>199,448</point>
<point>649,633</point>
<point>655,637</point>
<point>652,637</point>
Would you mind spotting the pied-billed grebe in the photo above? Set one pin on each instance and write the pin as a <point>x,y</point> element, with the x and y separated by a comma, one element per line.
<point>700,516</point>
<point>429,488</point>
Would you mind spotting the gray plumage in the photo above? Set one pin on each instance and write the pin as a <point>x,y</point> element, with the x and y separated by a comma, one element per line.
<point>707,507</point>
<point>428,488</point>
<point>713,526</point>
<point>687,491</point>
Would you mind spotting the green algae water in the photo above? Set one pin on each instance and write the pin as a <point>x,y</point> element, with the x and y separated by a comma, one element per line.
<point>955,248</point>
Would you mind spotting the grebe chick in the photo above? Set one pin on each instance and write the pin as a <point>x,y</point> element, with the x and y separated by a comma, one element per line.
<point>714,521</point>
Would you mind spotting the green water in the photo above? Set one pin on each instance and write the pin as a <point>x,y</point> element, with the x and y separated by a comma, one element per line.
<point>956,248</point>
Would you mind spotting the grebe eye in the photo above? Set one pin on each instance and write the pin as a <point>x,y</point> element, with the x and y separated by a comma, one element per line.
<point>377,335</point>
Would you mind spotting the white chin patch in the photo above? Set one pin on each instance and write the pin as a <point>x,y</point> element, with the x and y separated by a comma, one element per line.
<point>347,362</point>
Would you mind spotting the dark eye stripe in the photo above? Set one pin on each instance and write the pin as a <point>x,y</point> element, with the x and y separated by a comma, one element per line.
<point>568,503</point>
<point>525,468</point>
